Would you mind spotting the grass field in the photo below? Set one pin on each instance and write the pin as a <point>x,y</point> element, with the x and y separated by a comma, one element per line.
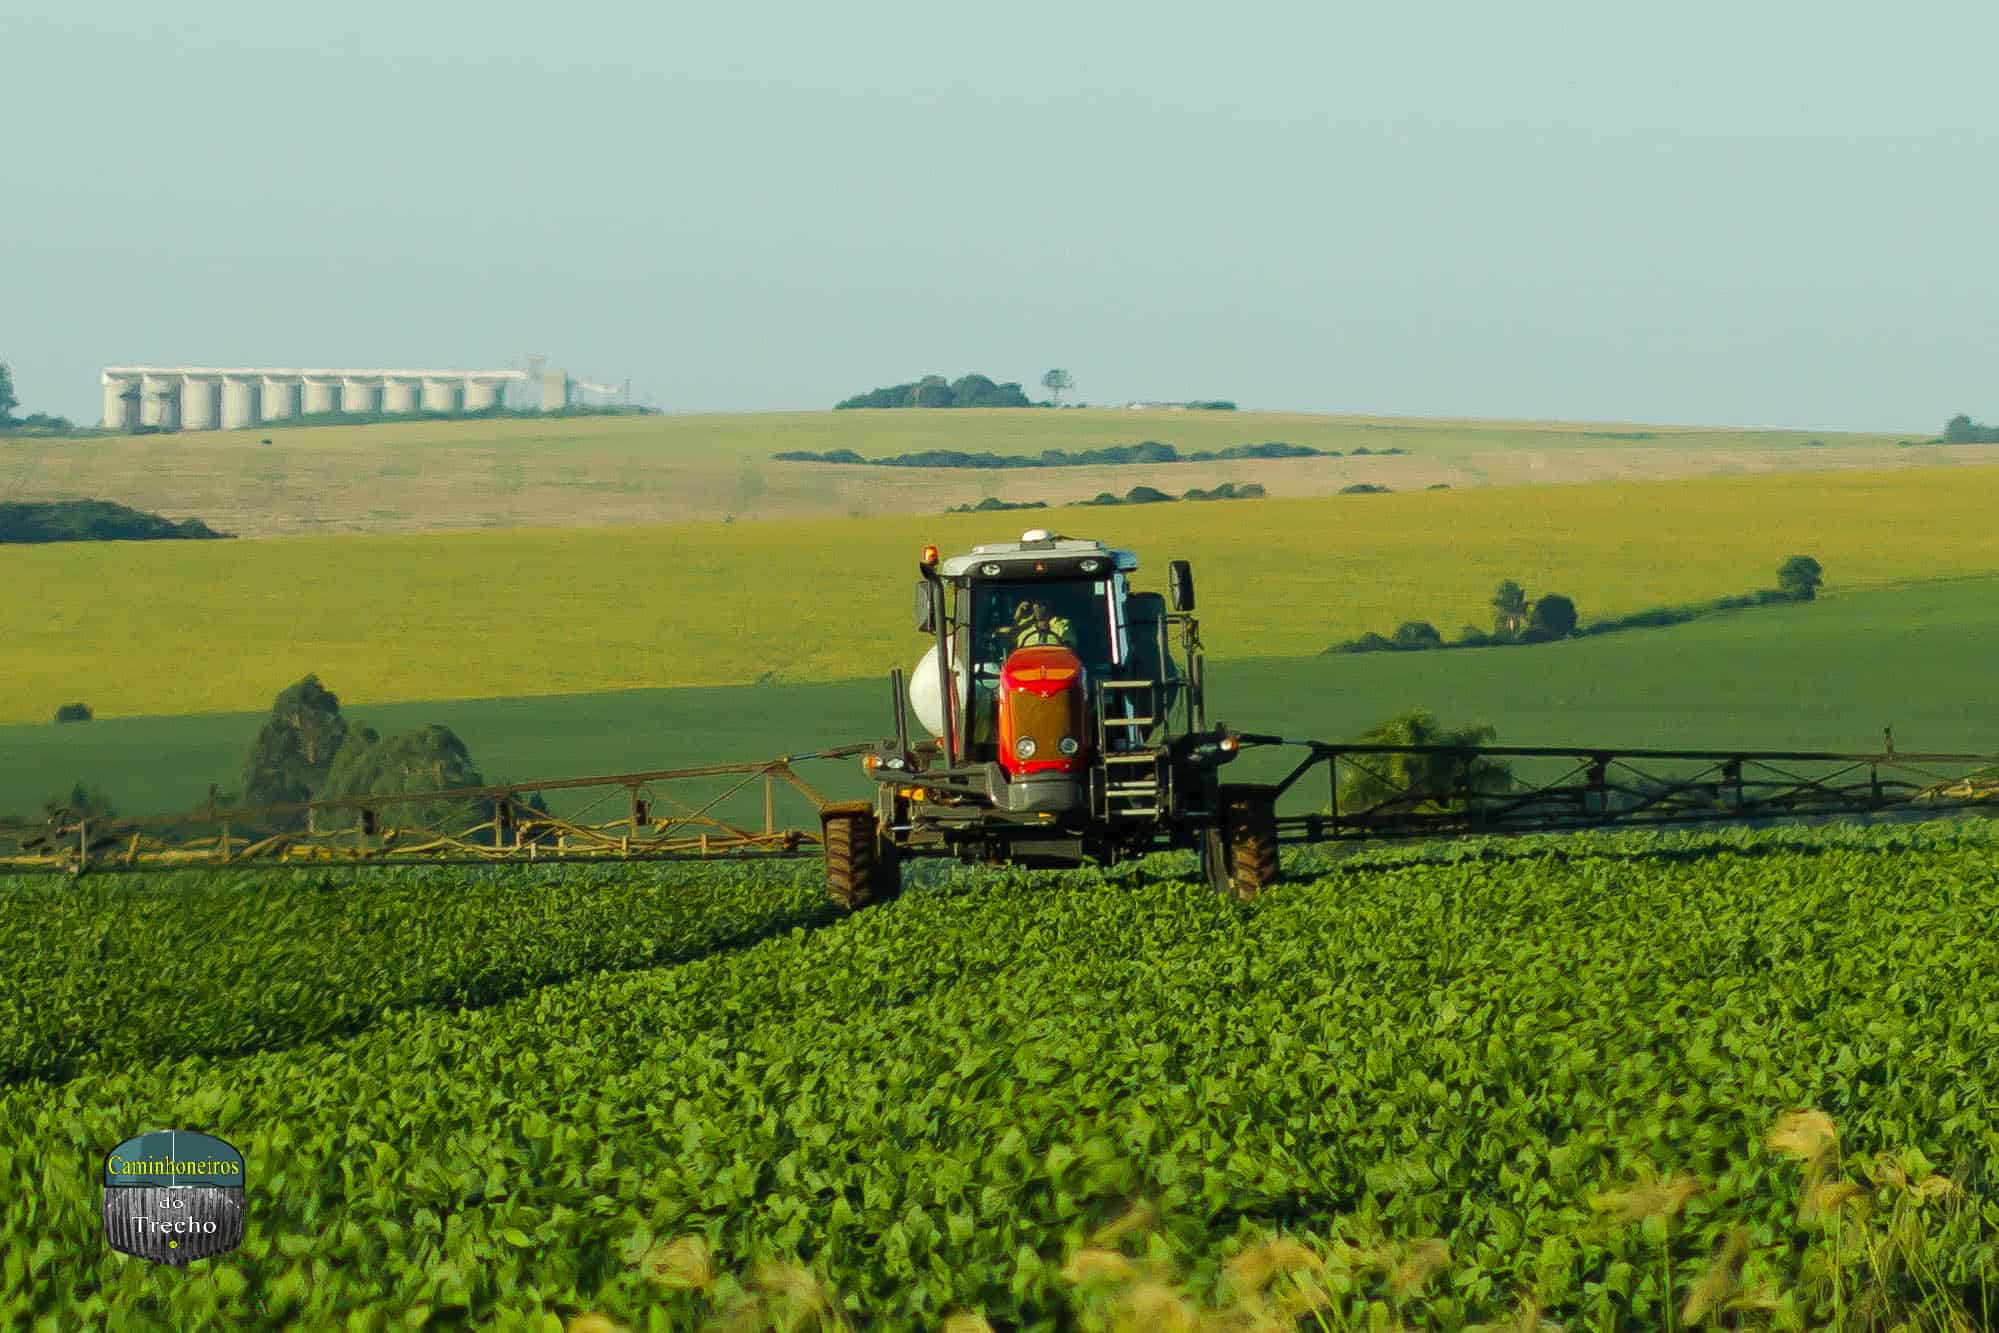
<point>1601,1081</point>
<point>588,471</point>
<point>1828,675</point>
<point>191,627</point>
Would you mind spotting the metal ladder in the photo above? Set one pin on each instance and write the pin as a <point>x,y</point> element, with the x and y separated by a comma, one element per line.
<point>1134,772</point>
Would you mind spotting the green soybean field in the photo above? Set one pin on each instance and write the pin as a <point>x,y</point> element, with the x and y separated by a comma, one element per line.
<point>1738,1080</point>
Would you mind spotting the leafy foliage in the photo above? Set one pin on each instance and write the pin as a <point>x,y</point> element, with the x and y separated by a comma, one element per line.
<point>73,713</point>
<point>1420,781</point>
<point>1461,1081</point>
<point>265,960</point>
<point>429,759</point>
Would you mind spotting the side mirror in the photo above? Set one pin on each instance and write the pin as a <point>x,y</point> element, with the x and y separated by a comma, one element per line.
<point>926,608</point>
<point>1180,585</point>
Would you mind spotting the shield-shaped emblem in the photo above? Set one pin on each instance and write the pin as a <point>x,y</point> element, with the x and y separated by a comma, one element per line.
<point>173,1196</point>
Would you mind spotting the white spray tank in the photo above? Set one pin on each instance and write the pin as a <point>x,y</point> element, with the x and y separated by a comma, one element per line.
<point>926,691</point>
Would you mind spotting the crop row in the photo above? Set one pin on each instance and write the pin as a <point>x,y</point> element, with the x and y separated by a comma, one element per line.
<point>933,1104</point>
<point>113,971</point>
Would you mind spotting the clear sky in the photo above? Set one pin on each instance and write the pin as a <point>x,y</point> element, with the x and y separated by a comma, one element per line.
<point>1779,213</point>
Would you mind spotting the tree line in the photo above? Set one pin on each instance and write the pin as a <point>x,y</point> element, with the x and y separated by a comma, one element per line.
<point>1517,619</point>
<point>1115,455</point>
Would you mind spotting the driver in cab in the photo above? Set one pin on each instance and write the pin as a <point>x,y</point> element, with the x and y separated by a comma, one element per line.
<point>1035,626</point>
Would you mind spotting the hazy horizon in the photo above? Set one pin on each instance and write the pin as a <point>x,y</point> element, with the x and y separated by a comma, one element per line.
<point>1717,216</point>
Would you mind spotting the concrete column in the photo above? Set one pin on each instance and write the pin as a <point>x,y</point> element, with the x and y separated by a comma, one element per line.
<point>321,396</point>
<point>121,403</point>
<point>440,395</point>
<point>239,402</point>
<point>360,396</point>
<point>197,404</point>
<point>280,399</point>
<point>159,401</point>
<point>554,390</point>
<point>399,395</point>
<point>481,395</point>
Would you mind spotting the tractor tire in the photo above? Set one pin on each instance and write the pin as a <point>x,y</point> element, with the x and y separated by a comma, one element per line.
<point>1239,852</point>
<point>862,867</point>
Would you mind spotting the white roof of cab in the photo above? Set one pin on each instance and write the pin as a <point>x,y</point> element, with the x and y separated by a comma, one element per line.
<point>1025,551</point>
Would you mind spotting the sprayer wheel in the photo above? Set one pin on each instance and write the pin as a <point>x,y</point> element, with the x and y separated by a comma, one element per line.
<point>1247,843</point>
<point>861,866</point>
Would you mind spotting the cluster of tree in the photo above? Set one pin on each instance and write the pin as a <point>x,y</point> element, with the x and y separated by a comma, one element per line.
<point>1439,781</point>
<point>1363,488</point>
<point>1149,495</point>
<point>936,391</point>
<point>1552,616</point>
<point>73,713</point>
<point>1961,429</point>
<point>92,521</point>
<point>308,751</point>
<point>34,422</point>
<point>1116,455</point>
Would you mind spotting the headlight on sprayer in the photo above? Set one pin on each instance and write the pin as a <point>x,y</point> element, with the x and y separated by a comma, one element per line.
<point>1024,747</point>
<point>1068,745</point>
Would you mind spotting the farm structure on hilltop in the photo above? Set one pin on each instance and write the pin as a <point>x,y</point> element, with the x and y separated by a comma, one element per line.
<point>230,398</point>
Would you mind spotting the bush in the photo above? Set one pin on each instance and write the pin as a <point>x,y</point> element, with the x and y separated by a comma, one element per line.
<point>1417,634</point>
<point>1363,488</point>
<point>1658,617</point>
<point>73,713</point>
<point>807,456</point>
<point>1471,636</point>
<point>1553,617</point>
<point>1228,490</point>
<point>1146,495</point>
<point>1800,577</point>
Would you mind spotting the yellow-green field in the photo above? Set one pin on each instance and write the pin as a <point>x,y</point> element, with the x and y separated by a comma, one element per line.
<point>595,471</point>
<point>184,627</point>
